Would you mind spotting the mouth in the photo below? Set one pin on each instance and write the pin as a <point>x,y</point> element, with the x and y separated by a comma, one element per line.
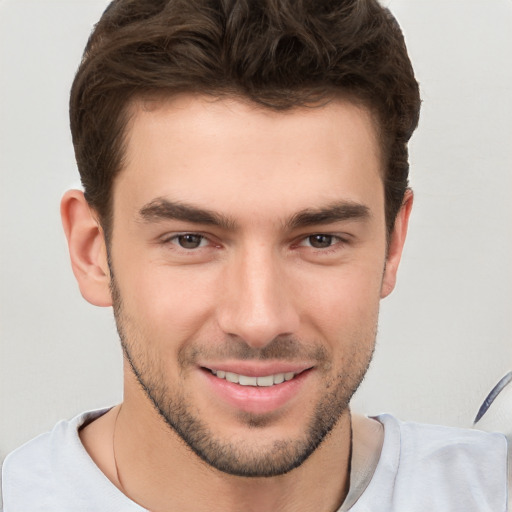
<point>257,388</point>
<point>258,381</point>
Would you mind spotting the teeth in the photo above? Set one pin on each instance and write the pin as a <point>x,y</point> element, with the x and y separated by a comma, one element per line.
<point>232,377</point>
<point>266,381</point>
<point>279,378</point>
<point>244,380</point>
<point>247,381</point>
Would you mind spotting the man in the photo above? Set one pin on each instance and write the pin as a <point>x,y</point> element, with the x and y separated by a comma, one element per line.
<point>245,207</point>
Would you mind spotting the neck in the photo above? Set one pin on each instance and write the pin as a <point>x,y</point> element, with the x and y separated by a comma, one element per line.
<point>157,470</point>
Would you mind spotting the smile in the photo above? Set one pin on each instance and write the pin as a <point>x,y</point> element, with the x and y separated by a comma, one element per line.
<point>263,381</point>
<point>256,388</point>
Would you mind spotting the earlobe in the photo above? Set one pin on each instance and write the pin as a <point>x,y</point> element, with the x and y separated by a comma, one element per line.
<point>396,245</point>
<point>87,250</point>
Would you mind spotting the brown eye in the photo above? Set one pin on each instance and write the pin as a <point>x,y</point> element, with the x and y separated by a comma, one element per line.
<point>189,240</point>
<point>320,241</point>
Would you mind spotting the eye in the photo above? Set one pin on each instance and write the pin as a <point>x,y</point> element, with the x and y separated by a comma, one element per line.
<point>189,240</point>
<point>320,241</point>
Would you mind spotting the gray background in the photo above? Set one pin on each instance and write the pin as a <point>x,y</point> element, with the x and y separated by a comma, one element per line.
<point>445,333</point>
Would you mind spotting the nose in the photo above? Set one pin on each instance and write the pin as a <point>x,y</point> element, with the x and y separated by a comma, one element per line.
<point>257,303</point>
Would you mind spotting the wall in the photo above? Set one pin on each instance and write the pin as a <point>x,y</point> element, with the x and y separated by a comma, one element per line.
<point>445,333</point>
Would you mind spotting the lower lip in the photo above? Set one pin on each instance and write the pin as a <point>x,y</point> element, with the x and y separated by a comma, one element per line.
<point>255,399</point>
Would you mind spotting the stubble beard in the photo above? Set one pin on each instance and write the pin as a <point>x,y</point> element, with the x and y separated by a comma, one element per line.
<point>240,459</point>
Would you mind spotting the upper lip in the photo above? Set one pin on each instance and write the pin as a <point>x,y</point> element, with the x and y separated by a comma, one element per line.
<point>258,369</point>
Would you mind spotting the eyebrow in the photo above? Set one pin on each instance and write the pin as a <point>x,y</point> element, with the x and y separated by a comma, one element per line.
<point>163,209</point>
<point>335,212</point>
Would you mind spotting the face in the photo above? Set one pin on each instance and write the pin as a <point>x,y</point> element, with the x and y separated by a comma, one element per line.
<point>248,257</point>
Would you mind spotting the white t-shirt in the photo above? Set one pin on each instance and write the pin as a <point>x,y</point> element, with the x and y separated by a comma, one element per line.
<point>414,468</point>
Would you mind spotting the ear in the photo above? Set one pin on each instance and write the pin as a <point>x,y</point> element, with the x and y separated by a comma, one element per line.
<point>396,245</point>
<point>87,249</point>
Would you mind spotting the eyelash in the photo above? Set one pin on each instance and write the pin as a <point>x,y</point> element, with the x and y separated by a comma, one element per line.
<point>334,241</point>
<point>302,242</point>
<point>174,240</point>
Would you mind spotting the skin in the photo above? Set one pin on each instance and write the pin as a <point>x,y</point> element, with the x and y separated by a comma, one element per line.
<point>258,282</point>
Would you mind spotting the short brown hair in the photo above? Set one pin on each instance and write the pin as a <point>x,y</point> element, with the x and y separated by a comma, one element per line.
<point>277,53</point>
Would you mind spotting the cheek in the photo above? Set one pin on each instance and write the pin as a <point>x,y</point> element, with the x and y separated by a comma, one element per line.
<point>343,303</point>
<point>173,300</point>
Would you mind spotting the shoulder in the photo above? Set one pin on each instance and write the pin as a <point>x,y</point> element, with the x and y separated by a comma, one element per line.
<point>430,467</point>
<point>420,440</point>
<point>53,472</point>
<point>28,470</point>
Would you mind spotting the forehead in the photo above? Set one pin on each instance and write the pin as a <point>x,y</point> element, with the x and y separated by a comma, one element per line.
<point>214,151</point>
